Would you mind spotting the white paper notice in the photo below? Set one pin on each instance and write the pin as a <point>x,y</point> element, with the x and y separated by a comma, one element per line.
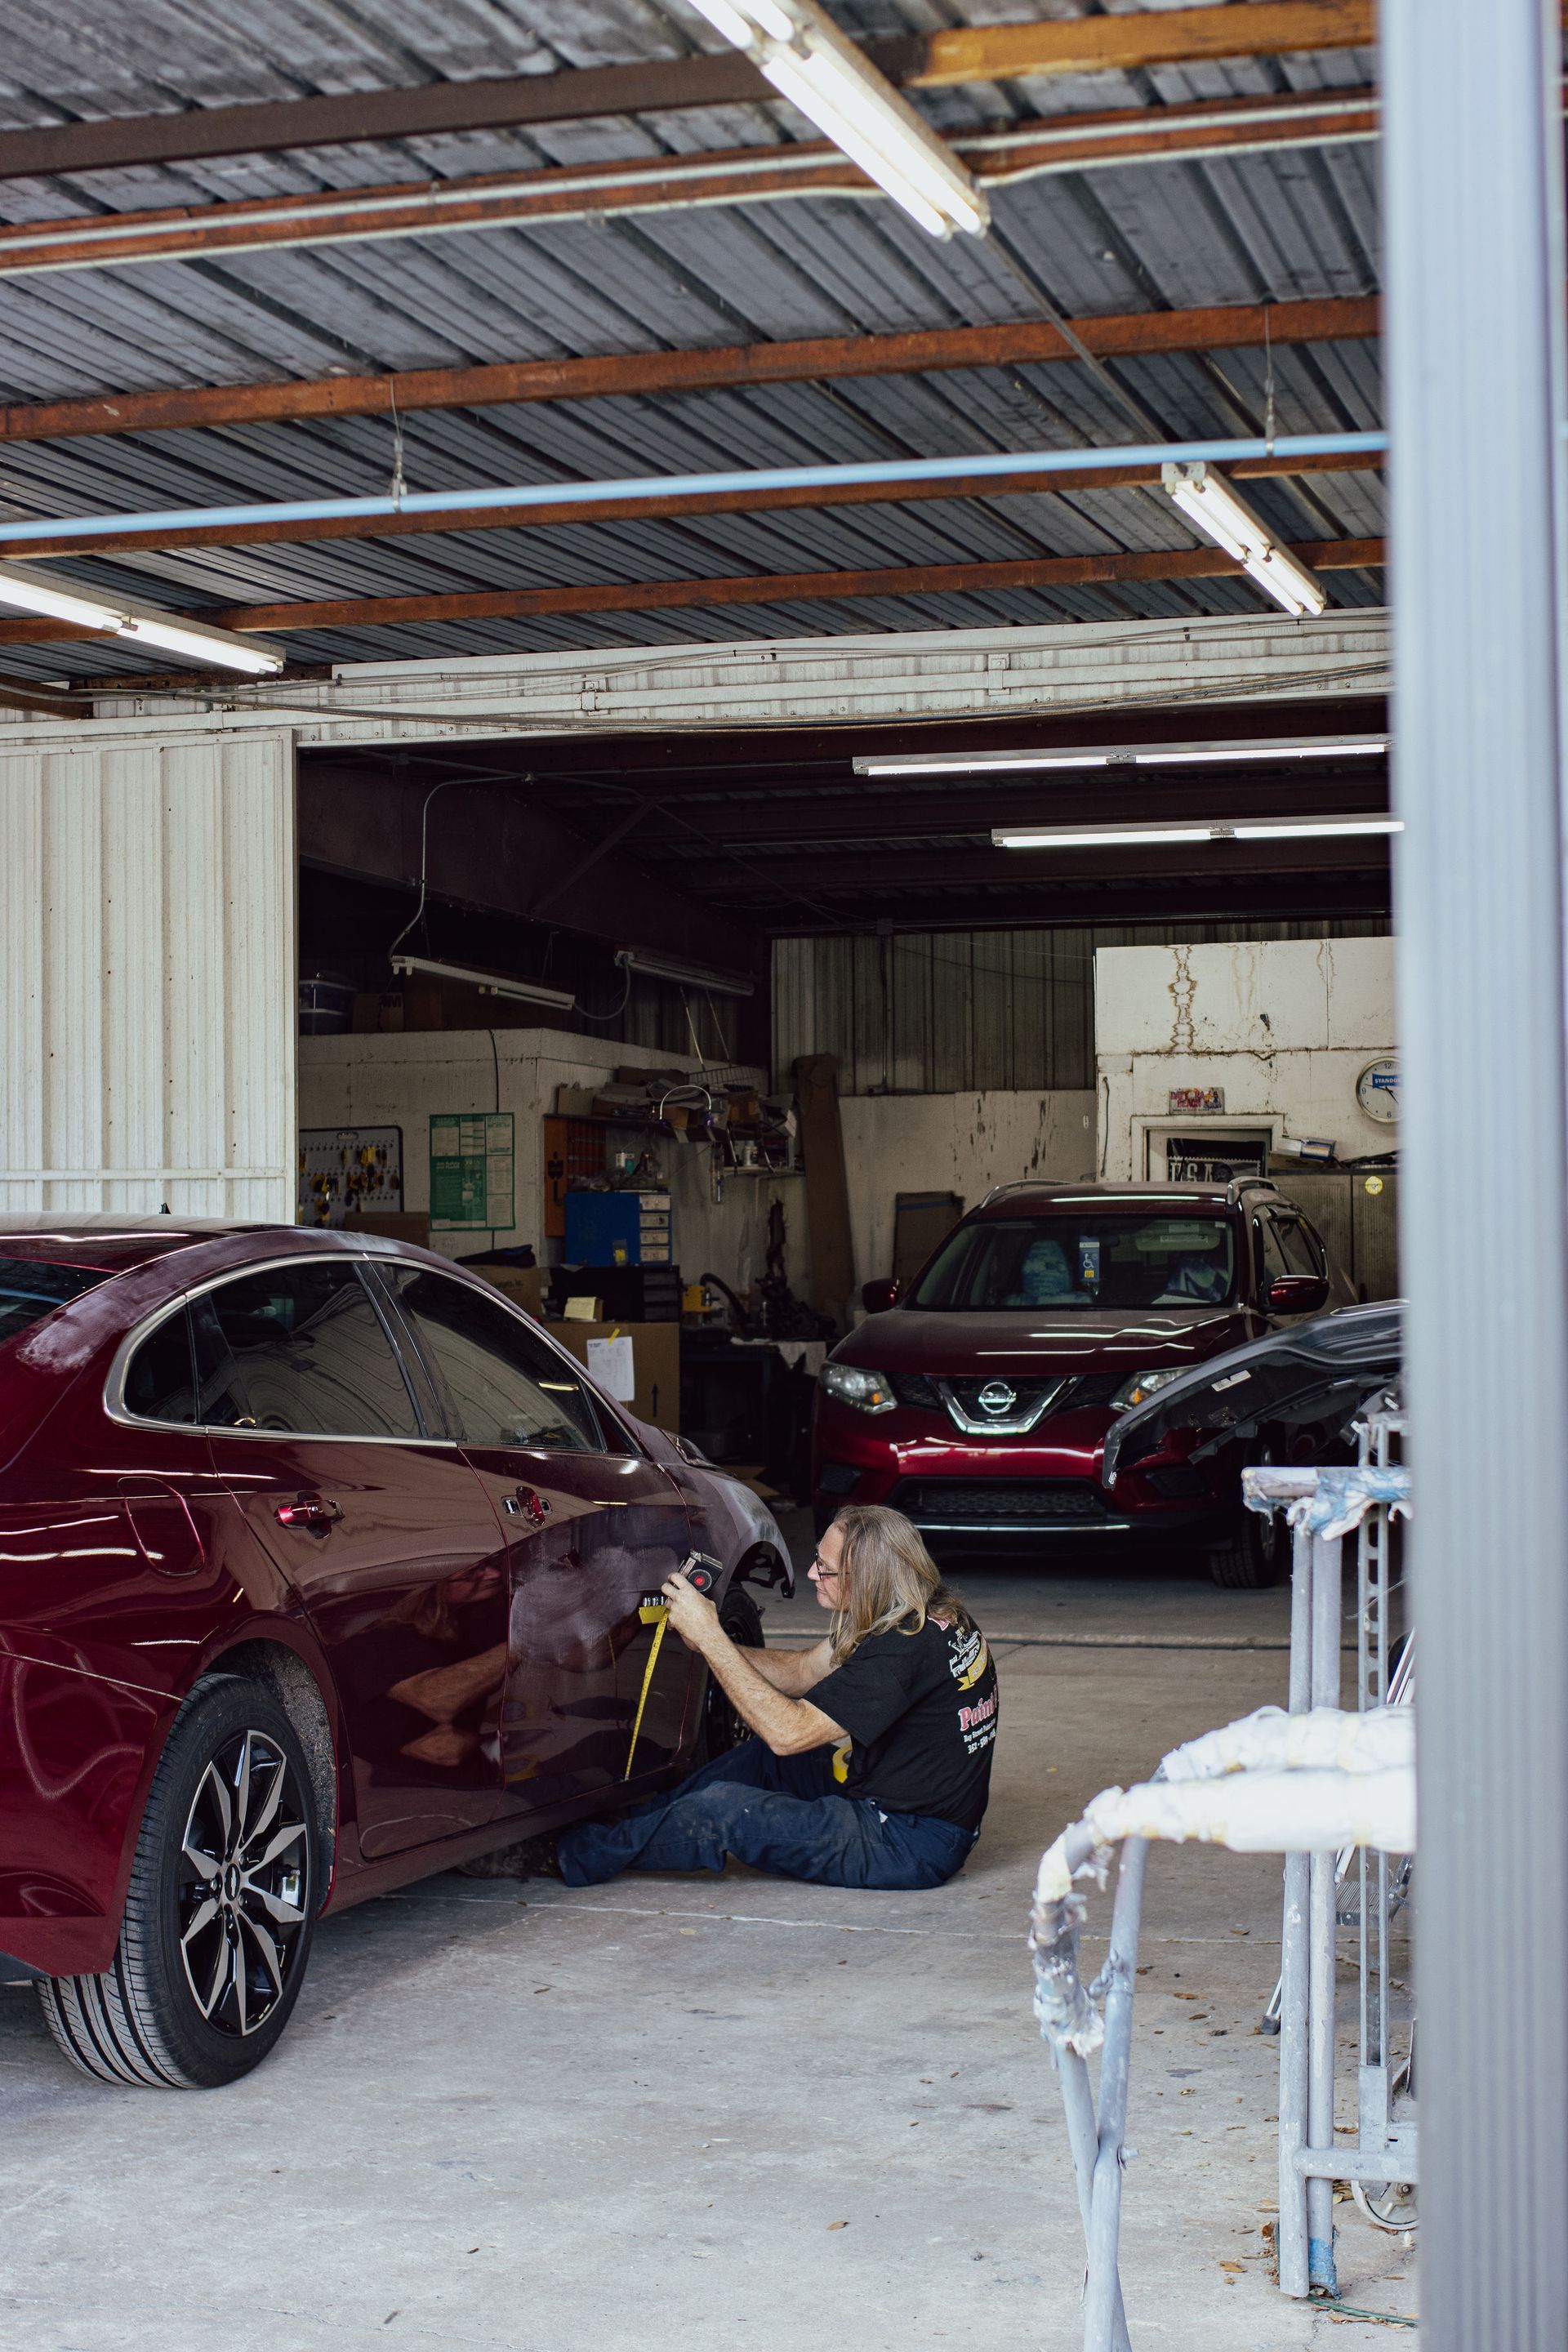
<point>610,1362</point>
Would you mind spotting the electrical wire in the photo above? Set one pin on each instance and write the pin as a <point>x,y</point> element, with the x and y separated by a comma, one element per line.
<point>584,1013</point>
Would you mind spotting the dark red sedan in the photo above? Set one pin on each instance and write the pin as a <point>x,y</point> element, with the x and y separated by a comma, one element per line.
<point>978,1402</point>
<point>321,1567</point>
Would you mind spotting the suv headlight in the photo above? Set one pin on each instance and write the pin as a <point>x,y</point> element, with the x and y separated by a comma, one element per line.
<point>1142,1386</point>
<point>851,1385</point>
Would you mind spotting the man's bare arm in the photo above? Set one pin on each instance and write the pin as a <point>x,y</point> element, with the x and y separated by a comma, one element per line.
<point>794,1672</point>
<point>788,1726</point>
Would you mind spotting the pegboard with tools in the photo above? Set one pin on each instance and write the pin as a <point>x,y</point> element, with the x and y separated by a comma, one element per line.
<point>349,1170</point>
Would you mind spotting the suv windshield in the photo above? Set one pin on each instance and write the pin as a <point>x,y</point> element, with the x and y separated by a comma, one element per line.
<point>31,1288</point>
<point>1082,1260</point>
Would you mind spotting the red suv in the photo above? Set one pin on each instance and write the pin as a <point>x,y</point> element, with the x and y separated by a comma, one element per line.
<point>978,1401</point>
<point>321,1567</point>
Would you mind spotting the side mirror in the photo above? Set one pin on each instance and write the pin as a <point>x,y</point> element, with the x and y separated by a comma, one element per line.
<point>876,1297</point>
<point>1298,1294</point>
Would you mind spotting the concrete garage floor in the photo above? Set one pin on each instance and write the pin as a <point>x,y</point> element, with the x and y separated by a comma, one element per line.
<point>734,2112</point>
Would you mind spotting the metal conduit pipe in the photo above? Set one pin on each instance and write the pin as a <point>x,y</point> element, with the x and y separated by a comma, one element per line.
<point>892,470</point>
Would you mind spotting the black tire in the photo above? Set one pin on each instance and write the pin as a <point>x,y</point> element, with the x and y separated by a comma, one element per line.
<point>721,1727</point>
<point>1253,1555</point>
<point>233,1782</point>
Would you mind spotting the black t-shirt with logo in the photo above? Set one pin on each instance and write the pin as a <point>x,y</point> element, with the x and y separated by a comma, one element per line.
<point>921,1711</point>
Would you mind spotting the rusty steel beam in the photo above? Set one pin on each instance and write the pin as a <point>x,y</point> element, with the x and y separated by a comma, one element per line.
<point>426,109</point>
<point>967,807</point>
<point>1086,906</point>
<point>768,588</point>
<point>1122,335</point>
<point>664,595</point>
<point>322,217</point>
<point>838,875</point>
<point>931,61</point>
<point>666,508</point>
<point>21,694</point>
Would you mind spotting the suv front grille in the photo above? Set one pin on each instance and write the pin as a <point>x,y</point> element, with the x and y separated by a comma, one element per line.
<point>1022,1502</point>
<point>930,1392</point>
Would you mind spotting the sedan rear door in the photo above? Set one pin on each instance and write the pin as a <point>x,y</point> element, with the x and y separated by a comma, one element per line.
<point>371,1512</point>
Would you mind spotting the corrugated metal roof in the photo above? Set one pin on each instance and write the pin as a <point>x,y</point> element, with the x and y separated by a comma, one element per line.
<point>1290,224</point>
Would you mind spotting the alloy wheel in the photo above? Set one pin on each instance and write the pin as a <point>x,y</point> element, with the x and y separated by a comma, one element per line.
<point>243,1890</point>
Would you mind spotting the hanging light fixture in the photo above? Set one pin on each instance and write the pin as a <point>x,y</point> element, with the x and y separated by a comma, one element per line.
<point>33,591</point>
<point>835,84</point>
<point>1222,514</point>
<point>1128,837</point>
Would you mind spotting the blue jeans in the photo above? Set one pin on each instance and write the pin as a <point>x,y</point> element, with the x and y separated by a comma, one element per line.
<point>782,1814</point>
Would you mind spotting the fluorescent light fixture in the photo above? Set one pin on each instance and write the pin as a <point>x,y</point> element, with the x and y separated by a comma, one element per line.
<point>688,975</point>
<point>488,983</point>
<point>809,61</point>
<point>32,591</point>
<point>1126,755</point>
<point>1222,514</point>
<point>1122,836</point>
<point>198,643</point>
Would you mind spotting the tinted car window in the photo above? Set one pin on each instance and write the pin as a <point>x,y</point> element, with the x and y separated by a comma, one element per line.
<point>160,1380</point>
<point>1079,1259</point>
<point>30,1290</point>
<point>299,1348</point>
<point>1302,1257</point>
<point>1270,1255</point>
<point>503,1386</point>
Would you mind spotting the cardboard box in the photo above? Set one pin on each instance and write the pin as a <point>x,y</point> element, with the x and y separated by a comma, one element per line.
<point>523,1285</point>
<point>394,1225</point>
<point>655,1362</point>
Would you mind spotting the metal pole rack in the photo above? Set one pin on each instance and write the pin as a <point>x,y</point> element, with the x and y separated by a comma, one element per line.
<point>1324,1506</point>
<point>1309,1782</point>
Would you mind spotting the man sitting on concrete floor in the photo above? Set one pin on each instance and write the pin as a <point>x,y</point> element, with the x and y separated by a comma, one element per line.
<point>879,1778</point>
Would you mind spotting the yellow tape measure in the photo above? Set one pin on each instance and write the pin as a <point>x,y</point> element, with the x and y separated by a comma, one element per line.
<point>656,1614</point>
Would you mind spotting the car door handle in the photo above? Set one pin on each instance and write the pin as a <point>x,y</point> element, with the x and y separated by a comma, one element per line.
<point>527,1505</point>
<point>314,1511</point>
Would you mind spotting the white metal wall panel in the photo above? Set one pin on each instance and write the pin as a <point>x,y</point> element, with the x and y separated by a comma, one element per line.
<point>147,982</point>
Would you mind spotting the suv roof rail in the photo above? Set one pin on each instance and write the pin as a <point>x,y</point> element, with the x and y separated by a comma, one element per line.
<point>1235,1187</point>
<point>1017,1185</point>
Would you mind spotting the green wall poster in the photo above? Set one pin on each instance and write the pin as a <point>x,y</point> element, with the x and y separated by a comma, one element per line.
<point>472,1162</point>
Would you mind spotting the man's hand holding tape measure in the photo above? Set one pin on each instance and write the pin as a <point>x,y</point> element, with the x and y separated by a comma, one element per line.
<point>691,1613</point>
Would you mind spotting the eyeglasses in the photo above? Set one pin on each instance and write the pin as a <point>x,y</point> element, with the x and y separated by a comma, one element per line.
<point>819,1568</point>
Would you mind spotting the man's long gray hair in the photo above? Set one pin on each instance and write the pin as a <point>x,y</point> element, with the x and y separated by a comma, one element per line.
<point>888,1581</point>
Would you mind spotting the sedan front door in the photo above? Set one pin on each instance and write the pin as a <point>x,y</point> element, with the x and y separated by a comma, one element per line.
<point>596,1696</point>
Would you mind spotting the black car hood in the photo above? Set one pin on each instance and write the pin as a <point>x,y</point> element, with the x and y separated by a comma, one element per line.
<point>1319,1370</point>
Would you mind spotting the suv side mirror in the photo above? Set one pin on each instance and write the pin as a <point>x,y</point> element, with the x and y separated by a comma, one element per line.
<point>1297,1293</point>
<point>876,1297</point>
